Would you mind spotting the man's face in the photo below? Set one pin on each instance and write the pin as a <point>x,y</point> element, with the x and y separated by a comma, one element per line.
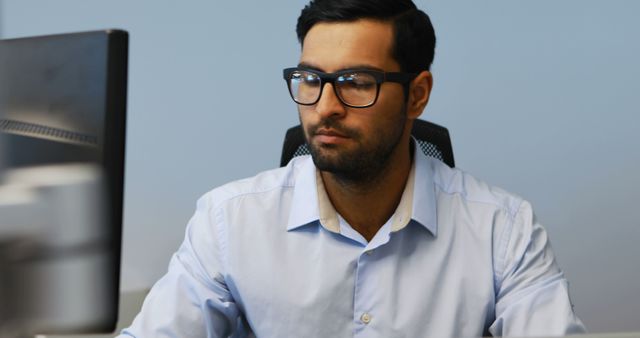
<point>353,143</point>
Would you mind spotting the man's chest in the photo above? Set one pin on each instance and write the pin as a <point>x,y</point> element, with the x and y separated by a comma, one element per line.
<point>318,283</point>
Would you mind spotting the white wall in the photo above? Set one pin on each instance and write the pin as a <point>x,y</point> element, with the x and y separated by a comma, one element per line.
<point>540,97</point>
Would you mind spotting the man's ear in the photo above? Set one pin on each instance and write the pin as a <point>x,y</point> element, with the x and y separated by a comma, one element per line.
<point>419,94</point>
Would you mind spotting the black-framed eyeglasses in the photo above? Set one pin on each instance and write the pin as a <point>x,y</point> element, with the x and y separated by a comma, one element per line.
<point>357,88</point>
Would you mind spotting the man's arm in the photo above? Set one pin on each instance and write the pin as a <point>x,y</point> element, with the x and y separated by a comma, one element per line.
<point>532,297</point>
<point>192,299</point>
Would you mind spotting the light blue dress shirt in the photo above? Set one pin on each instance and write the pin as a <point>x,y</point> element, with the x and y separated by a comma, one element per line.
<point>268,256</point>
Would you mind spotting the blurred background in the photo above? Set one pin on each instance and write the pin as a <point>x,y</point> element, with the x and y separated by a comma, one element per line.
<point>541,98</point>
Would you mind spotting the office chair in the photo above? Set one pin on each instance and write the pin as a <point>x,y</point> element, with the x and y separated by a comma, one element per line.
<point>433,140</point>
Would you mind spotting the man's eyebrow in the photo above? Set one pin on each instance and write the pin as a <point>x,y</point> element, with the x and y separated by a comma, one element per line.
<point>309,66</point>
<point>355,66</point>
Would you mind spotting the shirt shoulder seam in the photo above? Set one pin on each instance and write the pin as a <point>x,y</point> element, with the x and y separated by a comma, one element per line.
<point>503,245</point>
<point>507,208</point>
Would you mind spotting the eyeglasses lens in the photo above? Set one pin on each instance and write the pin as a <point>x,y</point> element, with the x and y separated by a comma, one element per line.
<point>305,87</point>
<point>355,89</point>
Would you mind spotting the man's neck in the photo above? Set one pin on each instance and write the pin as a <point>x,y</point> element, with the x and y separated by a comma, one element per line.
<point>366,206</point>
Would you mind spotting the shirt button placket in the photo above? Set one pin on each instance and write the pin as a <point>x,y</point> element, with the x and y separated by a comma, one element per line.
<point>364,291</point>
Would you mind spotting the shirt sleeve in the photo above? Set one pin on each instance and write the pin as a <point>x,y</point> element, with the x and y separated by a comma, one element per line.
<point>532,296</point>
<point>192,299</point>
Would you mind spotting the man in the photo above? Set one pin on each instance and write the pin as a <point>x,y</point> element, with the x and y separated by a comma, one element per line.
<point>367,237</point>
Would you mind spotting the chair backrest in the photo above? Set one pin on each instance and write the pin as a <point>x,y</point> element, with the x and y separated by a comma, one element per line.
<point>433,140</point>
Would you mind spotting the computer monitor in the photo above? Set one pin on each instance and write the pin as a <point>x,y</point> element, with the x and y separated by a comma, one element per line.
<point>63,100</point>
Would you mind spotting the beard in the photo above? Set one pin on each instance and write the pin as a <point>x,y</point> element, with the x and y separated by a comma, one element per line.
<point>368,160</point>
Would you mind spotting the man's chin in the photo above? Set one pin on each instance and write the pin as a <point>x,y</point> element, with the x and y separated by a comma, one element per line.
<point>325,163</point>
<point>326,158</point>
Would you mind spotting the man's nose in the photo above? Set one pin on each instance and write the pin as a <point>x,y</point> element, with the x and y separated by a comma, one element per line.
<point>329,105</point>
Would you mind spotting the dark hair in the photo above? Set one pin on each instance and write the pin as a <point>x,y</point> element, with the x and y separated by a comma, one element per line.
<point>415,39</point>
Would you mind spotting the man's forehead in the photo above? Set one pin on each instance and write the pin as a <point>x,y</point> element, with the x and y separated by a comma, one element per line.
<point>340,45</point>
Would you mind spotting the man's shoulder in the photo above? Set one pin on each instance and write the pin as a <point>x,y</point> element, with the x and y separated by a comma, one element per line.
<point>456,182</point>
<point>269,181</point>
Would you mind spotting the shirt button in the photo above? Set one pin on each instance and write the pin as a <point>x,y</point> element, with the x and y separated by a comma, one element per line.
<point>369,252</point>
<point>365,318</point>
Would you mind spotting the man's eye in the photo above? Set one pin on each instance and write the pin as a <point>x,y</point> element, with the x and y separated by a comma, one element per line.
<point>358,83</point>
<point>358,80</point>
<point>306,78</point>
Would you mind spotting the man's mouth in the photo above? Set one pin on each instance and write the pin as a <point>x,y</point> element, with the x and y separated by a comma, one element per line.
<point>329,136</point>
<point>330,132</point>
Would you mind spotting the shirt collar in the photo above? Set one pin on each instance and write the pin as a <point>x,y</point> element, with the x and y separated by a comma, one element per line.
<point>328,214</point>
<point>418,202</point>
<point>310,200</point>
<point>424,210</point>
<point>304,206</point>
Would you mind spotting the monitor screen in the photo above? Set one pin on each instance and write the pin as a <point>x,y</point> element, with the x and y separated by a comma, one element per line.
<point>63,100</point>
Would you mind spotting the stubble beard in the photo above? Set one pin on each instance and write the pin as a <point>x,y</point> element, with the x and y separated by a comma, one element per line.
<point>361,166</point>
